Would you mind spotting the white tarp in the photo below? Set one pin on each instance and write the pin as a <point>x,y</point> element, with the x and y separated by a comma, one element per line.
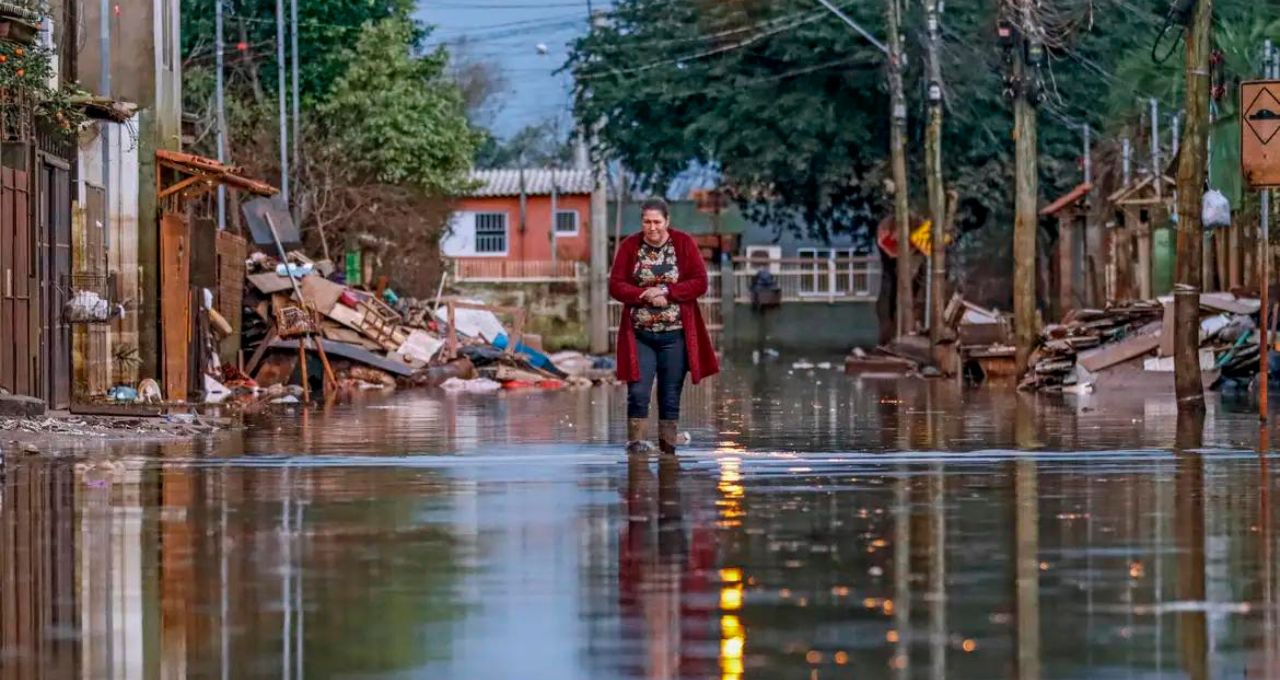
<point>474,322</point>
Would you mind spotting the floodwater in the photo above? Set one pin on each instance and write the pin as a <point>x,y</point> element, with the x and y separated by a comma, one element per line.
<point>819,526</point>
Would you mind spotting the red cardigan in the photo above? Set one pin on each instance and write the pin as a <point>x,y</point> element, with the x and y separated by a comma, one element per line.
<point>692,285</point>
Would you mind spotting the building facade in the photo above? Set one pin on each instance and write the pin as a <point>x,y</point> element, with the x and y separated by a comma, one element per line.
<point>505,222</point>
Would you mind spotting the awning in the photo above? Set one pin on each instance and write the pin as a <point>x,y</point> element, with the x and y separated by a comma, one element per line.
<point>205,174</point>
<point>1067,200</point>
<point>105,108</point>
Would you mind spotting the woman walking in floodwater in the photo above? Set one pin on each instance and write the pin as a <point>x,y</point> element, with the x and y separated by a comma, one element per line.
<point>658,276</point>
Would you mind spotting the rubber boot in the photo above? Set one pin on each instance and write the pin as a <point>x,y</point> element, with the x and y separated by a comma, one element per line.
<point>667,433</point>
<point>636,430</point>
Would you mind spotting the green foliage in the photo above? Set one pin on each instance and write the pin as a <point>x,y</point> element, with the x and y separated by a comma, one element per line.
<point>24,81</point>
<point>395,115</point>
<point>791,105</point>
<point>536,145</point>
<point>328,28</point>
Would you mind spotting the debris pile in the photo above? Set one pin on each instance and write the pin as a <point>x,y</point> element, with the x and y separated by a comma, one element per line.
<point>1128,330</point>
<point>304,327</point>
<point>1131,343</point>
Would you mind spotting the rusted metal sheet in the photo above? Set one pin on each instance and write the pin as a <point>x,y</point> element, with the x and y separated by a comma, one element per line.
<point>232,251</point>
<point>204,248</point>
<point>175,308</point>
<point>1259,138</point>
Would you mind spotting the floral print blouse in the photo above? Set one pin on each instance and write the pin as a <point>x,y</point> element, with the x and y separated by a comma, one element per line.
<point>656,266</point>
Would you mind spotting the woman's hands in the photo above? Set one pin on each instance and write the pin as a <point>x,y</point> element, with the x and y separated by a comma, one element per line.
<point>656,296</point>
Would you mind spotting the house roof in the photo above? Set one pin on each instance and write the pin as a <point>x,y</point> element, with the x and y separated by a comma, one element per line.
<point>1145,185</point>
<point>1068,199</point>
<point>536,181</point>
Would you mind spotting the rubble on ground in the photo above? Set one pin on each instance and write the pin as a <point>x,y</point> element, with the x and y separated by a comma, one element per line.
<point>1130,343</point>
<point>304,326</point>
<point>18,434</point>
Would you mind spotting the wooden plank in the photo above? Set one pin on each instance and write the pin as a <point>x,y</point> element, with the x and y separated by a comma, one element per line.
<point>174,304</point>
<point>1120,352</point>
<point>269,283</point>
<point>321,294</point>
<point>339,349</point>
<point>1166,332</point>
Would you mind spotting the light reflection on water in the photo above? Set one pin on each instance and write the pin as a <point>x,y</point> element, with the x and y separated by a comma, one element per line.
<point>818,523</point>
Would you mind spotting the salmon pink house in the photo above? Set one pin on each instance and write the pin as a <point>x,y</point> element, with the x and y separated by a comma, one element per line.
<point>521,223</point>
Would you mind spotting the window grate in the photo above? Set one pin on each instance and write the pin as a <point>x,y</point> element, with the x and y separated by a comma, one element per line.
<point>566,221</point>
<point>491,233</point>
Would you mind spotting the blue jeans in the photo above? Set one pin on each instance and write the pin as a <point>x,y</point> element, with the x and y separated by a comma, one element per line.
<point>661,356</point>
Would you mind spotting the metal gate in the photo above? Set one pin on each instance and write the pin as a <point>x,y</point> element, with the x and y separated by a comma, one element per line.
<point>19,294</point>
<point>54,251</point>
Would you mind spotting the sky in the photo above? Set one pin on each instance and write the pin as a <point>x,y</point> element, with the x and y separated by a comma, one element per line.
<point>507,33</point>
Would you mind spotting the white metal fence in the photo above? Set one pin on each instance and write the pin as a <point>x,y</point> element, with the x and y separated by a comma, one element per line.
<point>802,280</point>
<point>516,271</point>
<point>850,279</point>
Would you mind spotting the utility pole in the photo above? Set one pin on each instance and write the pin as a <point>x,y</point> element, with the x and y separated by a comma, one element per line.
<point>898,153</point>
<point>220,105</point>
<point>937,197</point>
<point>282,97</point>
<point>293,64</point>
<point>599,298</point>
<point>1264,270</point>
<point>1087,161</point>
<point>1026,65</point>
<point>104,56</point>
<point>1191,173</point>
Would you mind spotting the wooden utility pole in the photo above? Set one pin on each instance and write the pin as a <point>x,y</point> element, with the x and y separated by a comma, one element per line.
<point>898,155</point>
<point>1025,66</point>
<point>1191,173</point>
<point>937,198</point>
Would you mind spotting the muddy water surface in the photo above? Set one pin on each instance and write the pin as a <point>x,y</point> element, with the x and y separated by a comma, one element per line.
<point>818,527</point>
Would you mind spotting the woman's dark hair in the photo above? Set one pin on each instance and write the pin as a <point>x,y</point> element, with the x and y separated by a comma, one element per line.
<point>655,204</point>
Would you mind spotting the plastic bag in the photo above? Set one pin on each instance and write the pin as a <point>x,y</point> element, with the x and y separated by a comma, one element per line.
<point>86,307</point>
<point>1215,210</point>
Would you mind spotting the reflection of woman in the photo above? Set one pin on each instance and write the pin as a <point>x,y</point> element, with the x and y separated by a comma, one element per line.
<point>663,587</point>
<point>658,276</point>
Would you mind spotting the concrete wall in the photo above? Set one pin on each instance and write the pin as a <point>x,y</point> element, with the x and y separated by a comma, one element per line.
<point>146,69</point>
<point>556,311</point>
<point>533,244</point>
<point>122,221</point>
<point>146,65</point>
<point>815,329</point>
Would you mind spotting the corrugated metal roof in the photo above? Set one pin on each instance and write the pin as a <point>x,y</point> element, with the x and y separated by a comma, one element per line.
<point>537,182</point>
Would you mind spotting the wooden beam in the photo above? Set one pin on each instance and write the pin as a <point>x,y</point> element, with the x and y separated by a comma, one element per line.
<point>182,185</point>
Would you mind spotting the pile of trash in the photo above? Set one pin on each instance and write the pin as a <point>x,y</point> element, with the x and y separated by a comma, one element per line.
<point>303,326</point>
<point>1128,342</point>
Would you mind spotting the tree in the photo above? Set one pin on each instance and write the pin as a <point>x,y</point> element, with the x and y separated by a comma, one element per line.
<point>327,30</point>
<point>384,144</point>
<point>790,104</point>
<point>540,144</point>
<point>395,116</point>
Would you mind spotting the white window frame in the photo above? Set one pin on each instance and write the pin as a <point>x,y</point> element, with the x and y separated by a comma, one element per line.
<point>773,253</point>
<point>555,223</point>
<point>815,277</point>
<point>506,234</point>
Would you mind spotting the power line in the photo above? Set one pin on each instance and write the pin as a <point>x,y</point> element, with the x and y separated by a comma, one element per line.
<point>706,53</point>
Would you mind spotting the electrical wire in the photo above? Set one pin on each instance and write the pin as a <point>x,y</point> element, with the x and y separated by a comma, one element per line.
<point>746,42</point>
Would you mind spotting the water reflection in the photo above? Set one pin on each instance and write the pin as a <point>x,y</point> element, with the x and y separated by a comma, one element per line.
<point>1018,537</point>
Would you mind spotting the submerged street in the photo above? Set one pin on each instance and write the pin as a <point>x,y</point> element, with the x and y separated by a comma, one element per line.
<point>816,526</point>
